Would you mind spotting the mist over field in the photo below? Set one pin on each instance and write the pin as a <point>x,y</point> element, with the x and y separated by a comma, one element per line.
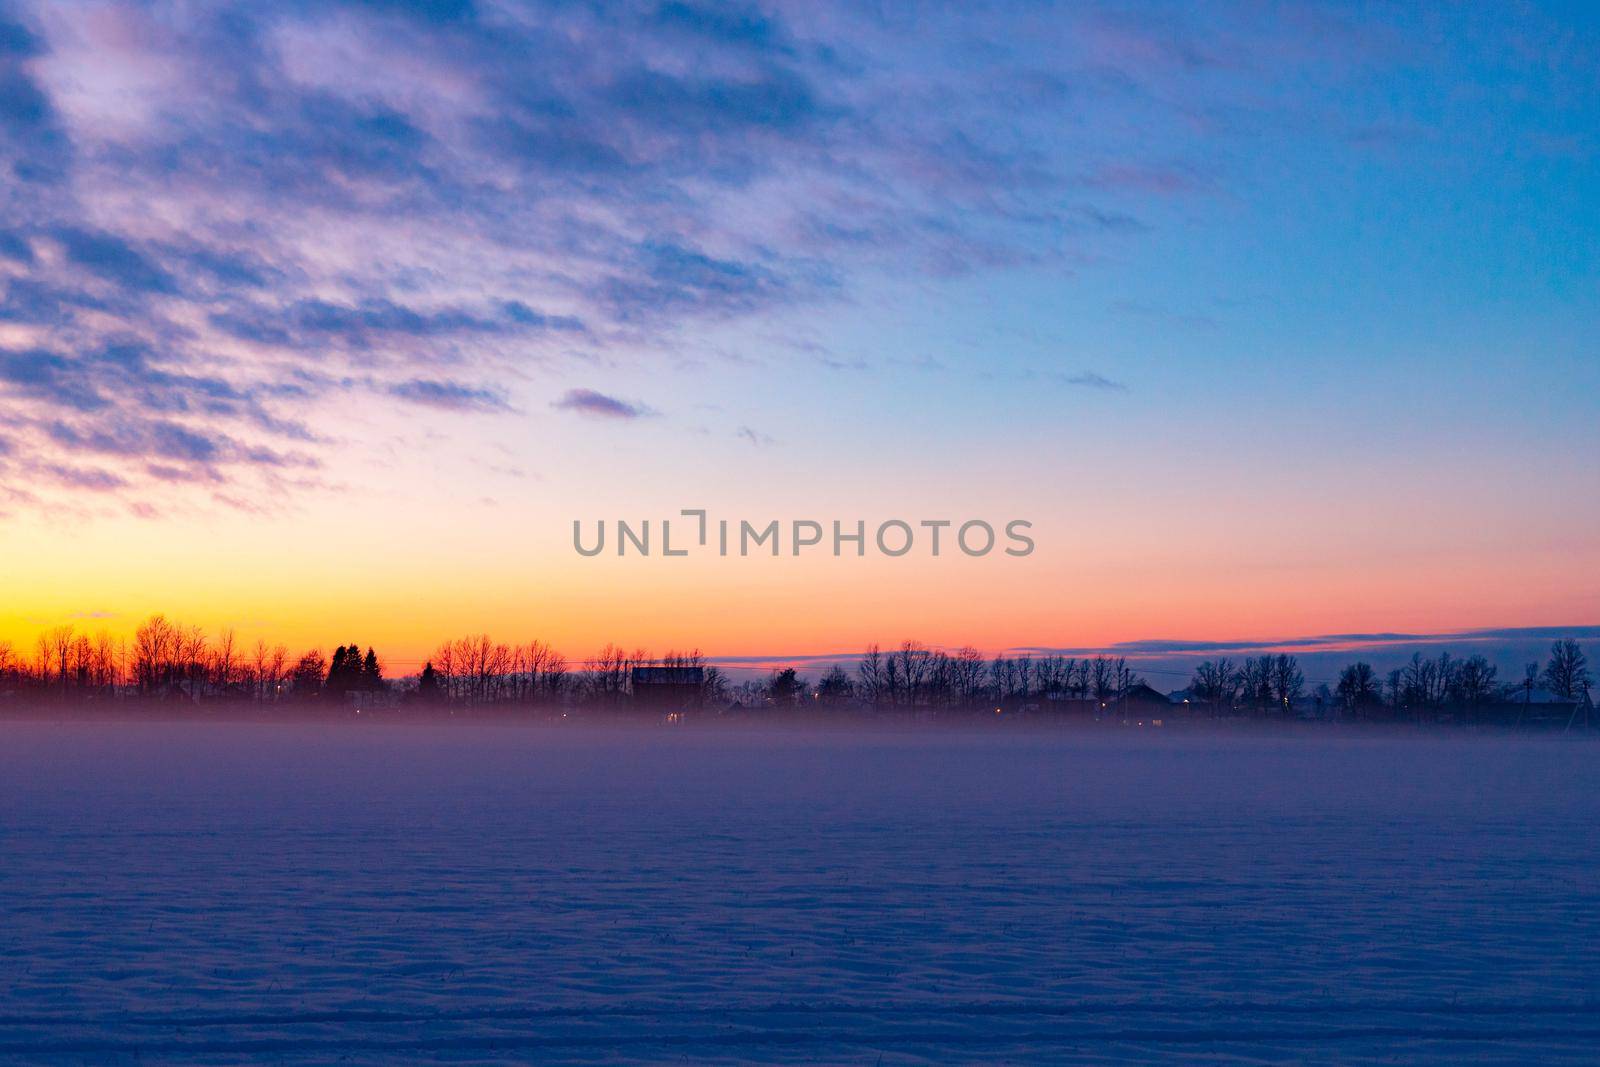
<point>300,893</point>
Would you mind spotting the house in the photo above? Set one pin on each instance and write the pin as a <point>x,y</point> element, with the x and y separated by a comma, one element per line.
<point>1137,701</point>
<point>668,691</point>
<point>1533,705</point>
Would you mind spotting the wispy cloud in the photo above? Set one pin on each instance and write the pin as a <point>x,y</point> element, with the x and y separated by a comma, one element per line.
<point>217,224</point>
<point>1090,380</point>
<point>755,437</point>
<point>599,405</point>
<point>450,396</point>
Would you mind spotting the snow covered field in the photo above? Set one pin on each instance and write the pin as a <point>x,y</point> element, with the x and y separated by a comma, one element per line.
<point>297,894</point>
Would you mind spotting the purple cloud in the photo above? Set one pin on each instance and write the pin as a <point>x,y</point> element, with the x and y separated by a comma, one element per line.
<point>450,396</point>
<point>219,225</point>
<point>599,405</point>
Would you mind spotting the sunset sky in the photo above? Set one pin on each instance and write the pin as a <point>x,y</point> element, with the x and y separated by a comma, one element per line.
<point>324,322</point>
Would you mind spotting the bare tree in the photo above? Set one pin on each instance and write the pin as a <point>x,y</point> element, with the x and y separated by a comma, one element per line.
<point>1008,679</point>
<point>224,663</point>
<point>1567,673</point>
<point>966,676</point>
<point>870,676</point>
<point>1255,681</point>
<point>608,679</point>
<point>907,674</point>
<point>1287,681</point>
<point>1475,684</point>
<point>1359,689</point>
<point>1215,683</point>
<point>155,651</point>
<point>260,656</point>
<point>278,672</point>
<point>1102,678</point>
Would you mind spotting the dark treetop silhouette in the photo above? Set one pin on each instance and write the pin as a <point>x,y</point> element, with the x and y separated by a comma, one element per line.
<point>173,666</point>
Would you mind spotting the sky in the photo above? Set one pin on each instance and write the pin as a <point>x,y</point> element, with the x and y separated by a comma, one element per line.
<point>324,322</point>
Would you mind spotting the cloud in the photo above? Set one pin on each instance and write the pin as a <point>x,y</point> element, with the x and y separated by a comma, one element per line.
<point>1170,661</point>
<point>669,277</point>
<point>1090,380</point>
<point>379,321</point>
<point>755,437</point>
<point>219,224</point>
<point>450,396</point>
<point>726,24</point>
<point>56,379</point>
<point>110,257</point>
<point>88,478</point>
<point>599,405</point>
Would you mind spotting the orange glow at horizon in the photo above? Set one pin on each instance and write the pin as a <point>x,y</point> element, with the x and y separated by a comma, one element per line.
<point>316,586</point>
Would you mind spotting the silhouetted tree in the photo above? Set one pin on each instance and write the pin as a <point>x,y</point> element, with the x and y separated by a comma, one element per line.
<point>428,684</point>
<point>1359,690</point>
<point>345,673</point>
<point>306,678</point>
<point>1567,673</point>
<point>371,673</point>
<point>1123,677</point>
<point>1008,679</point>
<point>870,675</point>
<point>1475,684</point>
<point>1102,679</point>
<point>907,673</point>
<point>1396,686</point>
<point>967,677</point>
<point>785,688</point>
<point>1255,681</point>
<point>1215,683</point>
<point>835,688</point>
<point>167,659</point>
<point>224,663</point>
<point>1287,681</point>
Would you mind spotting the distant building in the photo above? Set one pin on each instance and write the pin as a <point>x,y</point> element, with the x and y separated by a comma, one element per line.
<point>1141,699</point>
<point>1536,706</point>
<point>668,690</point>
<point>1138,701</point>
<point>371,699</point>
<point>1538,695</point>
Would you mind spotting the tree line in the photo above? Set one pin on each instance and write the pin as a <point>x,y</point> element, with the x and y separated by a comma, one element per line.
<point>168,661</point>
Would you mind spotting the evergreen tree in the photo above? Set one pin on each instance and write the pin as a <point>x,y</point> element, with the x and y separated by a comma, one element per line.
<point>428,684</point>
<point>785,687</point>
<point>344,673</point>
<point>371,673</point>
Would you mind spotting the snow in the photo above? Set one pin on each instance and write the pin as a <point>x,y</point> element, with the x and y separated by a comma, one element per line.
<point>190,893</point>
